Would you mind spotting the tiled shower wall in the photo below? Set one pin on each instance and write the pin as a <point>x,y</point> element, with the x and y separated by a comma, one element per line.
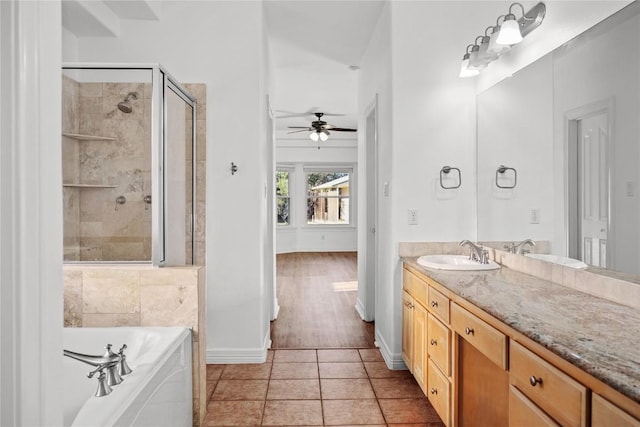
<point>96,227</point>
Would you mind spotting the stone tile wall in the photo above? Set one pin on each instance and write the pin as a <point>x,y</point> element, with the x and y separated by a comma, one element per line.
<point>141,295</point>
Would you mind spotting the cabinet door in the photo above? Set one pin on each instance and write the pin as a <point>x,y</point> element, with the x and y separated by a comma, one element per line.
<point>523,412</point>
<point>605,413</point>
<point>420,336</point>
<point>407,330</point>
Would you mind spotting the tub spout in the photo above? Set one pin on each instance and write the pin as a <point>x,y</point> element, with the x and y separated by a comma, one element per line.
<point>108,357</point>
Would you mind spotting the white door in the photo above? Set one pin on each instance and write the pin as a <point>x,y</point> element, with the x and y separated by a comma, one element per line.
<point>593,189</point>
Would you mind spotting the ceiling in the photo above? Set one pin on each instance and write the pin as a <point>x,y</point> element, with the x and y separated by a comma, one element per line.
<point>313,46</point>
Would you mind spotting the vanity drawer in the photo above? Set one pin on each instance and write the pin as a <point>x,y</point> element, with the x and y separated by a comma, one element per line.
<point>439,345</point>
<point>438,305</point>
<point>415,286</point>
<point>523,412</point>
<point>439,392</point>
<point>553,391</point>
<point>487,339</point>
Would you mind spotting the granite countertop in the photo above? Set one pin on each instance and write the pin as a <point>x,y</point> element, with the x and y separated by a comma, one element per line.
<point>598,336</point>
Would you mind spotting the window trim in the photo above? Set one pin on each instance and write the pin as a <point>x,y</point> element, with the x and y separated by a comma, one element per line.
<point>291,173</point>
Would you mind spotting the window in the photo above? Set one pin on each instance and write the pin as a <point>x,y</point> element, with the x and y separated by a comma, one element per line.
<point>328,197</point>
<point>283,200</point>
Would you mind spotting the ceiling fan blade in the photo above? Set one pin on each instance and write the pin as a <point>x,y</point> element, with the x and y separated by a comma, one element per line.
<point>291,114</point>
<point>297,131</point>
<point>344,129</point>
<point>300,127</point>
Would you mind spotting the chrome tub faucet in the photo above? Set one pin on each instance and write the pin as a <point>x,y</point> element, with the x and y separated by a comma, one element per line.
<point>115,365</point>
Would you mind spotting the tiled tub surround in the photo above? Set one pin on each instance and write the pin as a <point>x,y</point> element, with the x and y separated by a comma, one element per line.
<point>595,335</point>
<point>141,295</point>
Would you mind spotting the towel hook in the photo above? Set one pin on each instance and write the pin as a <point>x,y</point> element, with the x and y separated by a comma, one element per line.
<point>446,170</point>
<point>502,169</point>
<point>120,200</point>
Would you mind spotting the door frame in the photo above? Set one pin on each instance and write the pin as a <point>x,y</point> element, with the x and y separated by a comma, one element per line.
<point>366,304</point>
<point>571,217</point>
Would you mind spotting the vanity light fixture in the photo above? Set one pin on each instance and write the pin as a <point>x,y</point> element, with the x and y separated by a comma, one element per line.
<point>502,37</point>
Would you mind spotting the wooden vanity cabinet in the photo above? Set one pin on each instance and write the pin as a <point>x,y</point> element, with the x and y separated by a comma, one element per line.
<point>426,341</point>
<point>480,372</point>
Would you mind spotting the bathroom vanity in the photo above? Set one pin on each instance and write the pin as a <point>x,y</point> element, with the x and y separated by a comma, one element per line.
<point>506,348</point>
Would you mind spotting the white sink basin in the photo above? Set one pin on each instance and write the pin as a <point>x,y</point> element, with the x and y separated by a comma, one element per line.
<point>454,262</point>
<point>556,259</point>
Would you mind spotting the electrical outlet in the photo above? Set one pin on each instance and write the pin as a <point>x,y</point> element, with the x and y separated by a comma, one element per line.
<point>535,216</point>
<point>413,216</point>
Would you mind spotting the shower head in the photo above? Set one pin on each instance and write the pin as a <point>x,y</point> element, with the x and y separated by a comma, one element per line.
<point>125,106</point>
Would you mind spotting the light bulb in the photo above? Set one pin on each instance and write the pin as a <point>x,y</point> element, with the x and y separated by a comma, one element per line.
<point>494,48</point>
<point>509,31</point>
<point>465,71</point>
<point>314,136</point>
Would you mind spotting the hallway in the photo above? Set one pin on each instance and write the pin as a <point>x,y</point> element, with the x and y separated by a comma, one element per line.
<point>317,294</point>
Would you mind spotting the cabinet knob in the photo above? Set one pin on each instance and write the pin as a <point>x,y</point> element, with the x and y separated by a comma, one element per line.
<point>434,342</point>
<point>434,391</point>
<point>434,304</point>
<point>534,381</point>
<point>468,330</point>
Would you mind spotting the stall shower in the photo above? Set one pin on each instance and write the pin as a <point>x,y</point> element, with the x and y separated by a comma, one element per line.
<point>128,166</point>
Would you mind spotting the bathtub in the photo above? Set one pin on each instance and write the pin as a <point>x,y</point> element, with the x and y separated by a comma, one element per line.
<point>157,392</point>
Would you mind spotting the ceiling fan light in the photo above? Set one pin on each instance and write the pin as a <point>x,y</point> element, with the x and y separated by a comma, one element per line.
<point>323,136</point>
<point>509,31</point>
<point>314,136</point>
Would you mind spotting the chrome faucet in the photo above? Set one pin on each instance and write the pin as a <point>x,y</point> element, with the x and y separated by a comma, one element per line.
<point>476,253</point>
<point>519,248</point>
<point>114,363</point>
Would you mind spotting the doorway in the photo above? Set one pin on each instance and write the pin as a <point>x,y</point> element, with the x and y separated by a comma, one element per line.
<point>589,144</point>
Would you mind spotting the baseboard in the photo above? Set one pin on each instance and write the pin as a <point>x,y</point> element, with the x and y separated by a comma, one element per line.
<point>276,311</point>
<point>393,360</point>
<point>360,309</point>
<point>239,355</point>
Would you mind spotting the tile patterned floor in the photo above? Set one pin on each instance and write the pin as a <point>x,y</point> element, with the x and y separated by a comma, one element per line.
<point>316,388</point>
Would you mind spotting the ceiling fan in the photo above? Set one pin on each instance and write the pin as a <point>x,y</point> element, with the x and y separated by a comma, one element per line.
<point>319,129</point>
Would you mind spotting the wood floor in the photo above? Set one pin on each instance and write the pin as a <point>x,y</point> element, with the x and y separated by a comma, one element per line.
<point>317,293</point>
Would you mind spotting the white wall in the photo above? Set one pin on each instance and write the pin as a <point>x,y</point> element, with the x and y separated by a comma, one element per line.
<point>295,154</point>
<point>31,305</point>
<point>219,44</point>
<point>375,78</point>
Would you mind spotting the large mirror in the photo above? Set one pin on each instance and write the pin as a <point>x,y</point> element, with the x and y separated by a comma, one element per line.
<point>559,149</point>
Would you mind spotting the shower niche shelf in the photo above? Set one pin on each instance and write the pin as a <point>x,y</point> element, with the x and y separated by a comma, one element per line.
<point>80,137</point>
<point>70,185</point>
